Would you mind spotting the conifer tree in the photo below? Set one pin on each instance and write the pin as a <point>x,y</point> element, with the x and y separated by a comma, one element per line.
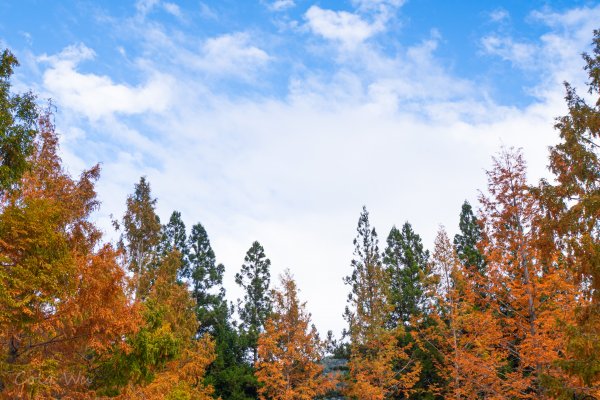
<point>467,336</point>
<point>18,117</point>
<point>407,264</point>
<point>206,277</point>
<point>290,350</point>
<point>532,294</point>
<point>141,236</point>
<point>467,240</point>
<point>571,219</point>
<point>175,238</point>
<point>254,278</point>
<point>375,355</point>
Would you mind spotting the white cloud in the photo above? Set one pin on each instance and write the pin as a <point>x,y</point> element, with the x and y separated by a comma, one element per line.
<point>173,9</point>
<point>521,54</point>
<point>499,15</point>
<point>97,96</point>
<point>143,7</point>
<point>230,54</point>
<point>280,5</point>
<point>347,28</point>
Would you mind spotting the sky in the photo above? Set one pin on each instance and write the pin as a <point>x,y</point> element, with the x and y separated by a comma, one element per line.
<point>277,120</point>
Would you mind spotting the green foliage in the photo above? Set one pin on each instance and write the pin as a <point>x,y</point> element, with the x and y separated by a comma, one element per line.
<point>230,374</point>
<point>206,278</point>
<point>467,240</point>
<point>254,278</point>
<point>18,116</point>
<point>407,264</point>
<point>175,238</point>
<point>147,351</point>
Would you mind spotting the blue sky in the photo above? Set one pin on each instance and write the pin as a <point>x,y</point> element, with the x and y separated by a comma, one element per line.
<point>277,120</point>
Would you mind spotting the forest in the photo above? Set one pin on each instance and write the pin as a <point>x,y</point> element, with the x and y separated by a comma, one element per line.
<point>509,308</point>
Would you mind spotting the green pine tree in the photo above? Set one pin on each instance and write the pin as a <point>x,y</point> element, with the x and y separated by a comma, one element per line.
<point>467,240</point>
<point>254,278</point>
<point>206,278</point>
<point>407,264</point>
<point>174,238</point>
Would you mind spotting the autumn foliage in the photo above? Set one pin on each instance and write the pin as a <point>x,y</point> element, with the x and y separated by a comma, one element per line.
<point>63,302</point>
<point>290,350</point>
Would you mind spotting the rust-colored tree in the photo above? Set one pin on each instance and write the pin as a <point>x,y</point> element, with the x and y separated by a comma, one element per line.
<point>531,291</point>
<point>571,211</point>
<point>464,331</point>
<point>63,303</point>
<point>378,367</point>
<point>290,350</point>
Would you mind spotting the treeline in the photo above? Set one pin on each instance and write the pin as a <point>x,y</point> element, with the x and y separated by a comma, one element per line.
<point>508,309</point>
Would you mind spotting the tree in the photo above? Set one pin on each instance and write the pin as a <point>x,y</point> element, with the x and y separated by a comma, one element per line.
<point>375,355</point>
<point>63,304</point>
<point>175,238</point>
<point>165,359</point>
<point>571,219</point>
<point>466,335</point>
<point>254,278</point>
<point>206,278</point>
<point>531,293</point>
<point>407,263</point>
<point>18,117</point>
<point>468,239</point>
<point>230,374</point>
<point>289,350</point>
<point>141,236</point>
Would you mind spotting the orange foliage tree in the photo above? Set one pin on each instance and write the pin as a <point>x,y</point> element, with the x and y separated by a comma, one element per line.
<point>531,291</point>
<point>63,302</point>
<point>379,366</point>
<point>464,330</point>
<point>290,350</point>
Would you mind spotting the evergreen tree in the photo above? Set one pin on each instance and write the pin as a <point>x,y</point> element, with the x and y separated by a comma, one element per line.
<point>230,374</point>
<point>18,116</point>
<point>407,264</point>
<point>254,278</point>
<point>467,240</point>
<point>375,356</point>
<point>206,279</point>
<point>141,236</point>
<point>175,238</point>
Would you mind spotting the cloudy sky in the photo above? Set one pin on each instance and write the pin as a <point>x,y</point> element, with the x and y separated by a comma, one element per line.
<point>277,120</point>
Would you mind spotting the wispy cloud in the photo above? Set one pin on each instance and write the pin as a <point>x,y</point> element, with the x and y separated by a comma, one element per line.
<point>344,27</point>
<point>280,5</point>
